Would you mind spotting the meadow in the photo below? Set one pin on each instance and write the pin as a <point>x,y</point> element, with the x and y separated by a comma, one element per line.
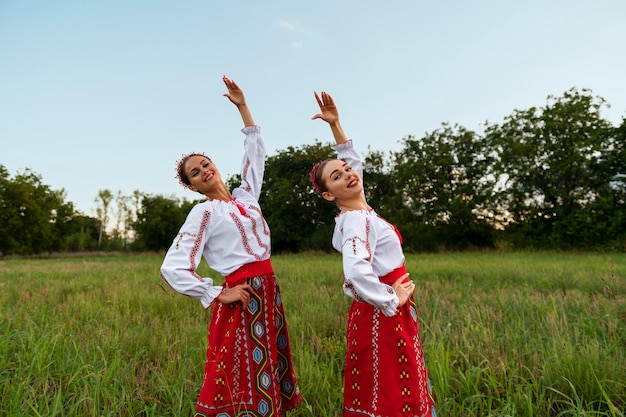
<point>504,334</point>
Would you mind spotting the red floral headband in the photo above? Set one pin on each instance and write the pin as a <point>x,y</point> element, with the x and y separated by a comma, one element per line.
<point>313,177</point>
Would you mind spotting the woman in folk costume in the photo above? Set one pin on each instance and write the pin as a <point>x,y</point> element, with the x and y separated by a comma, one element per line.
<point>249,369</point>
<point>385,374</point>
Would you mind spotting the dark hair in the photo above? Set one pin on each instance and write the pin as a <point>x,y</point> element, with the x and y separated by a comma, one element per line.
<point>319,180</point>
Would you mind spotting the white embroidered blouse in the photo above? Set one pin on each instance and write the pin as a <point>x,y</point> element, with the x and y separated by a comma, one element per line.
<point>228,234</point>
<point>370,248</point>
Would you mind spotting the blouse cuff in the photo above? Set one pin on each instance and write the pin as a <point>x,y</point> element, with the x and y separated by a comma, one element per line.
<point>389,309</point>
<point>251,129</point>
<point>343,146</point>
<point>211,296</point>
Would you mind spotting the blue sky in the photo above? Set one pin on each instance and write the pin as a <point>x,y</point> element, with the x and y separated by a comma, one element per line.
<point>108,94</point>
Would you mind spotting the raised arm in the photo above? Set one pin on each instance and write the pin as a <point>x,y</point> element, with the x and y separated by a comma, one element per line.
<point>330,115</point>
<point>236,96</point>
<point>253,162</point>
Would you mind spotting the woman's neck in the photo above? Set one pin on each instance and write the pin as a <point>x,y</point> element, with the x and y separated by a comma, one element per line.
<point>353,204</point>
<point>222,193</point>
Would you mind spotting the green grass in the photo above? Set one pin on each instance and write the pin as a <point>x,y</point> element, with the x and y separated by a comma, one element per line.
<point>518,334</point>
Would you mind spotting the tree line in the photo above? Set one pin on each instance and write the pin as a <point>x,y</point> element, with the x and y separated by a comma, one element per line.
<point>545,177</point>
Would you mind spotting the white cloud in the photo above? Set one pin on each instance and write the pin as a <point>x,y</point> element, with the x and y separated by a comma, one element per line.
<point>291,27</point>
<point>287,25</point>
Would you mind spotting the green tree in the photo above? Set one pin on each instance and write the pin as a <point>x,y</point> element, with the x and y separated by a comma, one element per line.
<point>28,212</point>
<point>158,221</point>
<point>125,215</point>
<point>298,218</point>
<point>556,163</point>
<point>72,230</point>
<point>381,189</point>
<point>604,223</point>
<point>103,201</point>
<point>445,182</point>
<point>79,233</point>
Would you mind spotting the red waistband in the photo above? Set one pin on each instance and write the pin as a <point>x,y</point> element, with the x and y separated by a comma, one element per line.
<point>253,269</point>
<point>391,277</point>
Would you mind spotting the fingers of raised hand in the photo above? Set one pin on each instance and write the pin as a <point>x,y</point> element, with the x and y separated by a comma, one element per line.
<point>324,100</point>
<point>328,100</point>
<point>317,98</point>
<point>230,84</point>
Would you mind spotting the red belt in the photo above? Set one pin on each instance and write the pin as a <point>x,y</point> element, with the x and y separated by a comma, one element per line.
<point>391,277</point>
<point>253,269</point>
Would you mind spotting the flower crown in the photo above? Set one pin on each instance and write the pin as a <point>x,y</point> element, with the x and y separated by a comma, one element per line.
<point>181,162</point>
<point>313,177</point>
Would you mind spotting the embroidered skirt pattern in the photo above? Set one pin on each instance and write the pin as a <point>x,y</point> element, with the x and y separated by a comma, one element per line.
<point>249,370</point>
<point>385,372</point>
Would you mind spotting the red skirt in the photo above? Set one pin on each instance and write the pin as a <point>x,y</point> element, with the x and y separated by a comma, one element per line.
<point>385,372</point>
<point>249,370</point>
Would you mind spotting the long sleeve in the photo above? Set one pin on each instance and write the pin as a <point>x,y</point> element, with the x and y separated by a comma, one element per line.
<point>357,244</point>
<point>181,261</point>
<point>348,153</point>
<point>253,163</point>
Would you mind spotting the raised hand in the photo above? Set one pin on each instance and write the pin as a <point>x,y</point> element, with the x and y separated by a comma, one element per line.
<point>235,94</point>
<point>329,112</point>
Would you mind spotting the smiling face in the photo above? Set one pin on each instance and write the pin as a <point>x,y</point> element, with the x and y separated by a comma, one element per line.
<point>340,181</point>
<point>202,174</point>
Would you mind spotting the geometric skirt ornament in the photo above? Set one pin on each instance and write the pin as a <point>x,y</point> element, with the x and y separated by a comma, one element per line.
<point>249,371</point>
<point>385,372</point>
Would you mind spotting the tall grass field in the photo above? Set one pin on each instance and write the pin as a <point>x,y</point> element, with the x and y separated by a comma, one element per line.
<point>513,334</point>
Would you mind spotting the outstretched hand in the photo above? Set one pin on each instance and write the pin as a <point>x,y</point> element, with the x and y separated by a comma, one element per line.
<point>235,94</point>
<point>329,112</point>
<point>238,293</point>
<point>403,288</point>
